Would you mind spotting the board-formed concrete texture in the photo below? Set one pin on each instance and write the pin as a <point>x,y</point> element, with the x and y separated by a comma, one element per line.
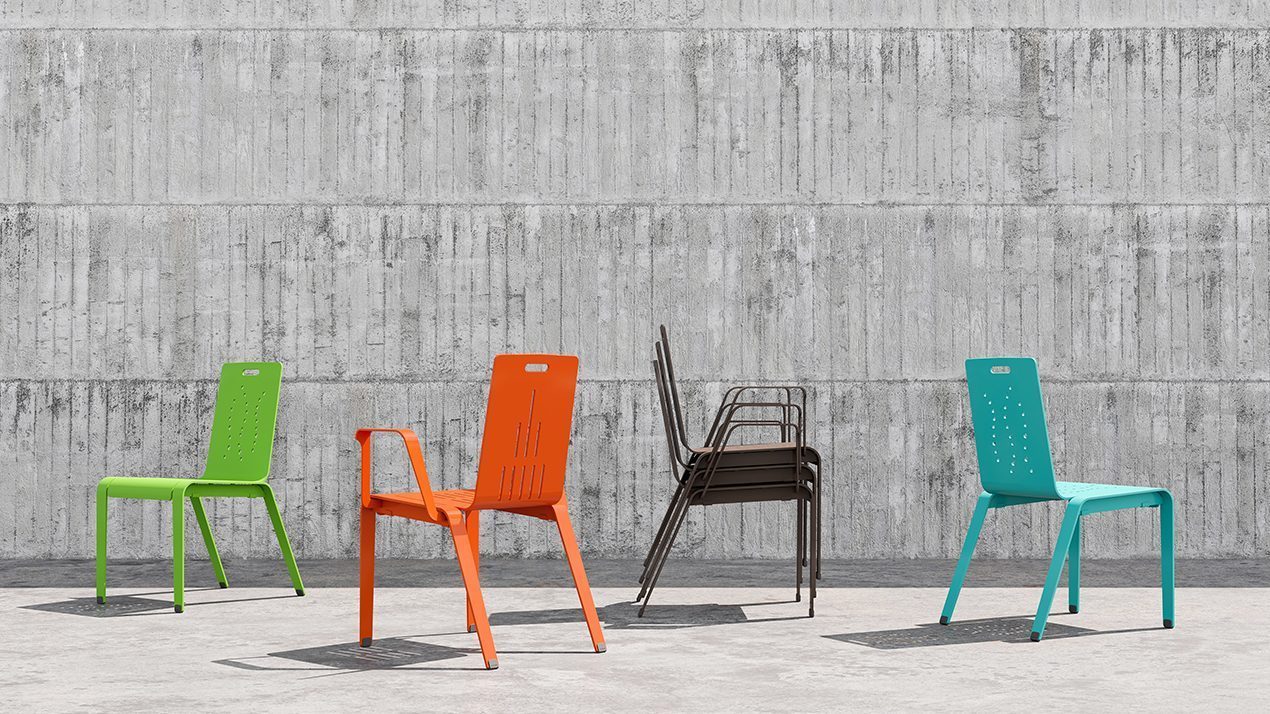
<point>856,196</point>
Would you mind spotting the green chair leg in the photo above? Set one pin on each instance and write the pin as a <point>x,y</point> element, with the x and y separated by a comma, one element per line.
<point>1070,520</point>
<point>178,549</point>
<point>102,499</point>
<point>283,543</point>
<point>1166,558</point>
<point>209,541</point>
<point>1073,571</point>
<point>967,551</point>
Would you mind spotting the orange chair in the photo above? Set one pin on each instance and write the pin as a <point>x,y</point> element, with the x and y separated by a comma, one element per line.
<point>521,470</point>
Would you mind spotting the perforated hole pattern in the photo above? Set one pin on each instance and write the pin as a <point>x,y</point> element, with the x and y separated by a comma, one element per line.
<point>242,413</point>
<point>1003,432</point>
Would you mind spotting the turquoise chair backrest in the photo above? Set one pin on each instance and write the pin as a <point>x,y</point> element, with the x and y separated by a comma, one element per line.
<point>241,446</point>
<point>1010,435</point>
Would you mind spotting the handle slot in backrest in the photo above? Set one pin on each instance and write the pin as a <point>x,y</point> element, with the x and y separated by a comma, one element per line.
<point>1001,369</point>
<point>535,367</point>
<point>251,372</point>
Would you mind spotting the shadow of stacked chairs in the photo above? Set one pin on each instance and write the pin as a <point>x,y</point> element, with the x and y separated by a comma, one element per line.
<point>730,467</point>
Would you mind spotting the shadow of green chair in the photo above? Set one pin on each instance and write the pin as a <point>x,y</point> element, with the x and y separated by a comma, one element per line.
<point>1016,468</point>
<point>238,457</point>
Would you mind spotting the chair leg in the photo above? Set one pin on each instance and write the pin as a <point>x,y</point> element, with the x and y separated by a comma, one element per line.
<point>209,541</point>
<point>819,522</point>
<point>1071,518</point>
<point>661,530</point>
<point>662,558</point>
<point>802,534</point>
<point>102,499</point>
<point>800,547</point>
<point>474,535</point>
<point>366,578</point>
<point>570,543</point>
<point>967,551</point>
<point>1166,559</point>
<point>815,554</point>
<point>1073,571</point>
<point>660,543</point>
<point>284,544</point>
<point>178,550</point>
<point>662,546</point>
<point>472,583</point>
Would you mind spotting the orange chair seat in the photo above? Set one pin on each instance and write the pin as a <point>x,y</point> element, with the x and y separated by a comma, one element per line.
<point>458,498</point>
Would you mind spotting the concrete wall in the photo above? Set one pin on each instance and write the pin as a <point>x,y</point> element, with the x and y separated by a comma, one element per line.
<point>856,196</point>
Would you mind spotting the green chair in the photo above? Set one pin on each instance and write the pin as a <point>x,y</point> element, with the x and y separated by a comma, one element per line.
<point>238,457</point>
<point>1015,468</point>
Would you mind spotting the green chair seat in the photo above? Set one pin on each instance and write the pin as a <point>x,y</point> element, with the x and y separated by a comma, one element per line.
<point>161,489</point>
<point>1017,468</point>
<point>238,458</point>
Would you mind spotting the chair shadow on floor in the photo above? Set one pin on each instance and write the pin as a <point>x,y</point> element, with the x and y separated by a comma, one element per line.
<point>1017,628</point>
<point>624,616</point>
<point>131,605</point>
<point>343,657</point>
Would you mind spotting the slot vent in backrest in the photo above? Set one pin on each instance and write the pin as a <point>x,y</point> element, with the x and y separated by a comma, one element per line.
<point>527,425</point>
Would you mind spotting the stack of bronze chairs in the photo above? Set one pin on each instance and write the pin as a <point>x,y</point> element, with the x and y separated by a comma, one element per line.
<point>731,468</point>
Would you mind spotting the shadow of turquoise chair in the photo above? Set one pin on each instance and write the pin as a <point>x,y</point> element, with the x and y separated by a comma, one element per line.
<point>239,453</point>
<point>1016,468</point>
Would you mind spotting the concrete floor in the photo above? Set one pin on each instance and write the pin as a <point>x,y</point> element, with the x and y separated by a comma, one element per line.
<point>709,649</point>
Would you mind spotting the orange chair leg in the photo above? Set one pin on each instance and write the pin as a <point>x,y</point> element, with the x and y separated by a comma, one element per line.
<point>579,575</point>
<point>474,535</point>
<point>472,583</point>
<point>366,579</point>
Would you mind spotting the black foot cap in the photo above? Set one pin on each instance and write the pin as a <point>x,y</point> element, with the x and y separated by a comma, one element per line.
<point>1168,624</point>
<point>365,642</point>
<point>101,600</point>
<point>179,608</point>
<point>1036,637</point>
<point>943,619</point>
<point>1073,609</point>
<point>299,591</point>
<point>224,585</point>
<point>798,597</point>
<point>471,628</point>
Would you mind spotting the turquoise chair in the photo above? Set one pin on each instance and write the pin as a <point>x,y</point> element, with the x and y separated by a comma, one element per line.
<point>1015,467</point>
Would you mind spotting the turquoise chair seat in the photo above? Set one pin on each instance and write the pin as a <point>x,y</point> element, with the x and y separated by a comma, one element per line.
<point>1088,491</point>
<point>1016,468</point>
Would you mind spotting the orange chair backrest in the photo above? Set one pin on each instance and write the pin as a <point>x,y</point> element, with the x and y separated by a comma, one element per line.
<point>527,426</point>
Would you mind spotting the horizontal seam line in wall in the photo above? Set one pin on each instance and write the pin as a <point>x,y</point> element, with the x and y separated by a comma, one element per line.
<point>761,383</point>
<point>515,29</point>
<point>640,203</point>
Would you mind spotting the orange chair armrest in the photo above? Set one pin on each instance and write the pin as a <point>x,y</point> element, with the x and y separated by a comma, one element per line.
<point>415,453</point>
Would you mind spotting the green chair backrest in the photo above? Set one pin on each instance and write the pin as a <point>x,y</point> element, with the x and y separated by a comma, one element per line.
<point>241,445</point>
<point>1010,436</point>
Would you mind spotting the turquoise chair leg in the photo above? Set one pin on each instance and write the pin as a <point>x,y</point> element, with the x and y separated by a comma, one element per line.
<point>1071,519</point>
<point>967,551</point>
<point>209,541</point>
<point>1073,571</point>
<point>178,550</point>
<point>1166,558</point>
<point>283,543</point>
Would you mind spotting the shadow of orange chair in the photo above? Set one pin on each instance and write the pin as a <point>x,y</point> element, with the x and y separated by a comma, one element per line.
<point>521,470</point>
